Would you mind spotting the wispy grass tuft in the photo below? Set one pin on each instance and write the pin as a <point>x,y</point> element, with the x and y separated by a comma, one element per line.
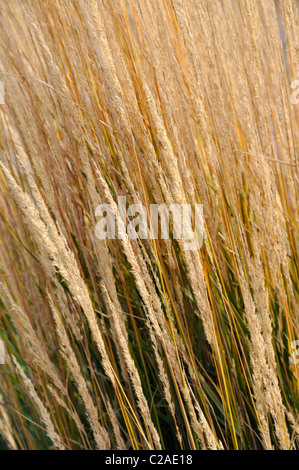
<point>139,344</point>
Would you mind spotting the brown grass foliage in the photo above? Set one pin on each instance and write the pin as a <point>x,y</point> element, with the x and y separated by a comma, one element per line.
<point>138,344</point>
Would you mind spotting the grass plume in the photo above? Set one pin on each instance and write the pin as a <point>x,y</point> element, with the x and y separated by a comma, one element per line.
<point>140,344</point>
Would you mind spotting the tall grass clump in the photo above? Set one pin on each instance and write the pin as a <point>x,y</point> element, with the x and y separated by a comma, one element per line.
<point>138,343</point>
